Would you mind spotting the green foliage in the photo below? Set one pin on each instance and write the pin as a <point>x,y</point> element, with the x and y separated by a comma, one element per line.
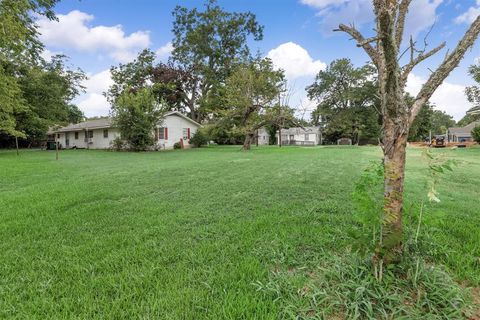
<point>467,119</point>
<point>167,83</point>
<point>368,199</point>
<point>118,144</point>
<point>476,134</point>
<point>19,48</point>
<point>224,133</point>
<point>428,119</point>
<point>342,287</point>
<point>251,90</point>
<point>136,113</point>
<point>199,139</point>
<point>48,91</point>
<point>209,44</point>
<point>347,102</point>
<point>177,145</point>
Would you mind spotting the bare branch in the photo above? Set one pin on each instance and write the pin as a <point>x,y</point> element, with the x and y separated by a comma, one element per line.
<point>361,41</point>
<point>400,25</point>
<point>450,63</point>
<point>415,61</point>
<point>367,41</point>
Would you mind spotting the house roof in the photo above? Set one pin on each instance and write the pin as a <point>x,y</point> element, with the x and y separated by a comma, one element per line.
<point>474,110</point>
<point>90,125</point>
<point>298,130</point>
<point>105,123</point>
<point>464,130</point>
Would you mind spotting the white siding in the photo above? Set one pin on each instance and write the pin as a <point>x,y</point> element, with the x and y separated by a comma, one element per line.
<point>263,137</point>
<point>173,122</point>
<point>97,142</point>
<point>175,125</point>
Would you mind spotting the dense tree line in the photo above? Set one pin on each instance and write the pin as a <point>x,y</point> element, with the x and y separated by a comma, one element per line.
<point>34,94</point>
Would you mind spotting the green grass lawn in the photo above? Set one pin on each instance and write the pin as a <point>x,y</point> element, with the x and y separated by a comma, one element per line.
<point>199,234</point>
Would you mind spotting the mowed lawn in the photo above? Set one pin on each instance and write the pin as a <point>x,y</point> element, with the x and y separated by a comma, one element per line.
<point>190,234</point>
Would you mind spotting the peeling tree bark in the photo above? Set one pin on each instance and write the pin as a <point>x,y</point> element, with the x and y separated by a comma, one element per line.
<point>397,116</point>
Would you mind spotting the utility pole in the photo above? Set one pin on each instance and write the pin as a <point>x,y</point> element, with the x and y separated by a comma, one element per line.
<point>16,144</point>
<point>56,146</point>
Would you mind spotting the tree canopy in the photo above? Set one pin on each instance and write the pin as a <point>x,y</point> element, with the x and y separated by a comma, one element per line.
<point>34,94</point>
<point>251,89</point>
<point>208,44</point>
<point>347,101</point>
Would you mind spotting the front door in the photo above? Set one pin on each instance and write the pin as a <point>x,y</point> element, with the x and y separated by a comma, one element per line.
<point>67,140</point>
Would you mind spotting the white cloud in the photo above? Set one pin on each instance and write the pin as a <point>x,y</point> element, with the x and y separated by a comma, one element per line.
<point>73,31</point>
<point>322,3</point>
<point>470,15</point>
<point>295,61</point>
<point>93,103</point>
<point>165,51</point>
<point>449,97</point>
<point>47,54</point>
<point>422,14</point>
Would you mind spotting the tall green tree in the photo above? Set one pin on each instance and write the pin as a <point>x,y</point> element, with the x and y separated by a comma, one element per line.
<point>347,101</point>
<point>136,113</point>
<point>208,44</point>
<point>473,95</point>
<point>48,90</point>
<point>251,89</point>
<point>167,82</point>
<point>19,46</point>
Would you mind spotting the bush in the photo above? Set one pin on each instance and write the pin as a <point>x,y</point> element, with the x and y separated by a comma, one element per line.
<point>118,144</point>
<point>177,145</point>
<point>476,134</point>
<point>199,139</point>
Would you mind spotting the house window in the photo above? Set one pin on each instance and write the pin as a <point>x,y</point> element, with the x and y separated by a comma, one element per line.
<point>88,134</point>
<point>186,133</point>
<point>292,137</point>
<point>76,135</point>
<point>105,133</point>
<point>161,133</point>
<point>307,137</point>
<point>58,135</point>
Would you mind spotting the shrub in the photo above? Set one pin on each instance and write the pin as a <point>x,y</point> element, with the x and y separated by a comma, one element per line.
<point>177,145</point>
<point>136,114</point>
<point>199,139</point>
<point>476,134</point>
<point>118,144</point>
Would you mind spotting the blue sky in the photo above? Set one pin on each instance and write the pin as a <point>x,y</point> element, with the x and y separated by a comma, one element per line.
<point>97,34</point>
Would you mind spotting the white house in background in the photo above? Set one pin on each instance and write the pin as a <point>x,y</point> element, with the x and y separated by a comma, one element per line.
<point>99,134</point>
<point>263,137</point>
<point>307,136</point>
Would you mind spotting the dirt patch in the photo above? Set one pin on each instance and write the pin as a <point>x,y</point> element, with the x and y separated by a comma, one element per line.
<point>474,314</point>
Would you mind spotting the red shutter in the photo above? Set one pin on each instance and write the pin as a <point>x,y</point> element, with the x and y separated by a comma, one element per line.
<point>188,133</point>
<point>165,134</point>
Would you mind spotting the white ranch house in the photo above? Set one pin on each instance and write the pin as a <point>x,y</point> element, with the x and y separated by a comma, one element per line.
<point>307,136</point>
<point>99,134</point>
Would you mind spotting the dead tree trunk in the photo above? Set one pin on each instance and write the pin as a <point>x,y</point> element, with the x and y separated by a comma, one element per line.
<point>383,49</point>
